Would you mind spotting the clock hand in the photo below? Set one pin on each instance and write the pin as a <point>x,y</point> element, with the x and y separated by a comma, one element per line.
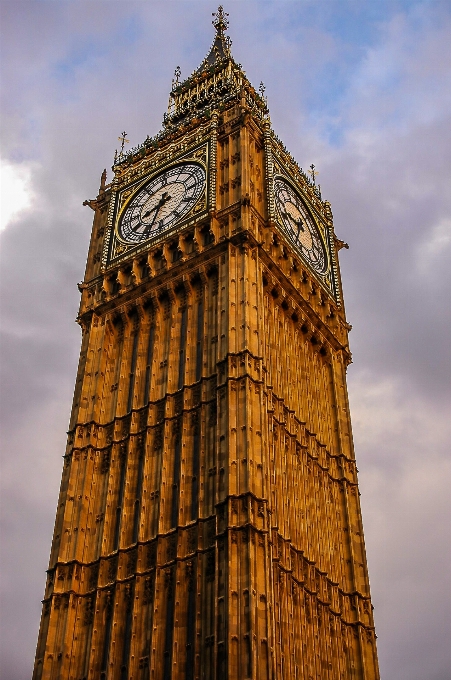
<point>149,226</point>
<point>298,223</point>
<point>164,199</point>
<point>147,214</point>
<point>301,228</point>
<point>140,218</point>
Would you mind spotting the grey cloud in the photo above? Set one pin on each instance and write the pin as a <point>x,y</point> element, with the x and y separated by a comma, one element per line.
<point>388,181</point>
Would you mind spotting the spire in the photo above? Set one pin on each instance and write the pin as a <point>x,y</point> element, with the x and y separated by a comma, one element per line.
<point>220,48</point>
<point>219,82</point>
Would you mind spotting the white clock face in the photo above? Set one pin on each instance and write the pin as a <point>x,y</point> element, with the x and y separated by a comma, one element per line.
<point>299,225</point>
<point>162,202</point>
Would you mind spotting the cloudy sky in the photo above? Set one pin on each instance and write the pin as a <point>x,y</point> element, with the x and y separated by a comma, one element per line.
<point>362,89</point>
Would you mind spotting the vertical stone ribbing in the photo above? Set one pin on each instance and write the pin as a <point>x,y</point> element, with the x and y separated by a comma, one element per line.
<point>132,376</point>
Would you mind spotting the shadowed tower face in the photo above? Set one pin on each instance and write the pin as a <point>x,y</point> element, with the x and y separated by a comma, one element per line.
<point>208,524</point>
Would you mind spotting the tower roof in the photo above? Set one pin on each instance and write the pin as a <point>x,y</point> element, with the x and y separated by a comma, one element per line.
<point>217,81</point>
<point>213,86</point>
<point>220,48</point>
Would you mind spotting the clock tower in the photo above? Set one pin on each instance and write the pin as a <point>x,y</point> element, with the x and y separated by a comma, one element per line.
<point>208,525</point>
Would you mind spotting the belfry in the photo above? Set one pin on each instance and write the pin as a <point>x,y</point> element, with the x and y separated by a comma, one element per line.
<point>208,525</point>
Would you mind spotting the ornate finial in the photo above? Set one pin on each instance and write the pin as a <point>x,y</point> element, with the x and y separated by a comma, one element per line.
<point>176,78</point>
<point>313,173</point>
<point>262,89</point>
<point>220,22</point>
<point>102,182</point>
<point>124,140</point>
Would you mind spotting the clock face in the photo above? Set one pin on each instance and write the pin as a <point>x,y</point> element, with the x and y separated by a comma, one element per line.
<point>299,225</point>
<point>162,202</point>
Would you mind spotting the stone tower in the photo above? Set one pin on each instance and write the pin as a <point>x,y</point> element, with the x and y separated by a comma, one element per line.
<point>208,525</point>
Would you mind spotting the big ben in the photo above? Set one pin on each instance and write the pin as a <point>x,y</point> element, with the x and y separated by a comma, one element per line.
<point>208,525</point>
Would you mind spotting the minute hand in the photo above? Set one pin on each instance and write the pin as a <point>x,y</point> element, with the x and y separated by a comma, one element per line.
<point>149,212</point>
<point>164,199</point>
<point>298,223</point>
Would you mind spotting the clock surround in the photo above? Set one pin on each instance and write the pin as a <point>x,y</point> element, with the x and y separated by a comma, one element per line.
<point>130,181</point>
<point>161,203</point>
<point>300,226</point>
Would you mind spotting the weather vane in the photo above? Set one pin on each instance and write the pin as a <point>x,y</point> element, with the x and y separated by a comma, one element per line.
<point>123,139</point>
<point>313,173</point>
<point>221,23</point>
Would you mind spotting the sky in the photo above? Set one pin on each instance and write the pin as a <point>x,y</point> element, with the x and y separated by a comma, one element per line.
<point>360,88</point>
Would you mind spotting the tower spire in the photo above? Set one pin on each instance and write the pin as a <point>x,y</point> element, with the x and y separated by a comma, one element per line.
<point>220,48</point>
<point>214,84</point>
